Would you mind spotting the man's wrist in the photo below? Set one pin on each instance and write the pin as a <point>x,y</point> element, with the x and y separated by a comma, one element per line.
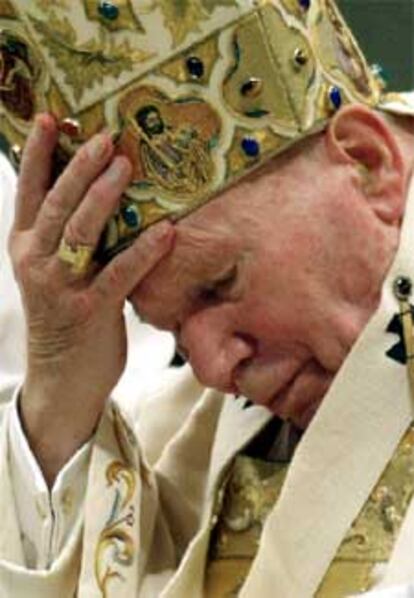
<point>55,427</point>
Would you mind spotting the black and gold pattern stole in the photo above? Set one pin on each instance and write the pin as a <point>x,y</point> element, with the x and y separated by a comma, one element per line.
<point>253,487</point>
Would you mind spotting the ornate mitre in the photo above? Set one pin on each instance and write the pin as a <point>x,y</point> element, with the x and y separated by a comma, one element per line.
<point>196,93</point>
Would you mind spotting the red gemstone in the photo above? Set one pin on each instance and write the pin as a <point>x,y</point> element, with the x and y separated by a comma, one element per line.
<point>70,127</point>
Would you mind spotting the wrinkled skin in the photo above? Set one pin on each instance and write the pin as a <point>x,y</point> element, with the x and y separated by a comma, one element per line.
<point>266,288</point>
<point>75,324</point>
<point>269,285</point>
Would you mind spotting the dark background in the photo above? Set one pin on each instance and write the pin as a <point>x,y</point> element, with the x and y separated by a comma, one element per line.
<point>385,31</point>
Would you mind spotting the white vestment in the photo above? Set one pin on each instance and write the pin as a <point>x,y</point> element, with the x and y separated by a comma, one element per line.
<point>154,474</point>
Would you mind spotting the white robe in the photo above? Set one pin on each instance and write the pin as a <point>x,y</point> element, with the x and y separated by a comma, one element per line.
<point>162,496</point>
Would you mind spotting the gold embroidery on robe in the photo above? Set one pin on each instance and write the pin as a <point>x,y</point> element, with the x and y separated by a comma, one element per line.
<point>250,495</point>
<point>116,546</point>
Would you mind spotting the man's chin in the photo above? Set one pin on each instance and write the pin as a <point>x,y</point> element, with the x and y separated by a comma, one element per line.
<point>303,419</point>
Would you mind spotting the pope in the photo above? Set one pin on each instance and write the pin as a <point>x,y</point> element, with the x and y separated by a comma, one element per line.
<point>279,462</point>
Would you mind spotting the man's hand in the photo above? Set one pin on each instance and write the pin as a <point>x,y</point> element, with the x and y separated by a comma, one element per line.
<point>76,330</point>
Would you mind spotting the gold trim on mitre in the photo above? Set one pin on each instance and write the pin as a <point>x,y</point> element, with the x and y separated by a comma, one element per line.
<point>197,98</point>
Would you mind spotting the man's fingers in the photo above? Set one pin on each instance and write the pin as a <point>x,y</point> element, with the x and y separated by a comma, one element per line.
<point>70,189</point>
<point>35,171</point>
<point>129,268</point>
<point>87,224</point>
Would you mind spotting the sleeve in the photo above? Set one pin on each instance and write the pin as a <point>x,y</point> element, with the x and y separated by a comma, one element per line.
<point>46,518</point>
<point>110,541</point>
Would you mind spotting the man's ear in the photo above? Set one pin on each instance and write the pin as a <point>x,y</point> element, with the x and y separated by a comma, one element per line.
<point>358,136</point>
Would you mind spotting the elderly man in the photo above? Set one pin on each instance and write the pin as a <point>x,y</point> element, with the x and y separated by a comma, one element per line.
<point>159,346</point>
<point>291,289</point>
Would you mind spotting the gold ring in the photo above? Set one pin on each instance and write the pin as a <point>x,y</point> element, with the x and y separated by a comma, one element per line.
<point>79,257</point>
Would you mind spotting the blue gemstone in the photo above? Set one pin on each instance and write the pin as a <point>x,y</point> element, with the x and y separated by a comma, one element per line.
<point>305,4</point>
<point>131,217</point>
<point>335,96</point>
<point>195,67</point>
<point>250,147</point>
<point>108,10</point>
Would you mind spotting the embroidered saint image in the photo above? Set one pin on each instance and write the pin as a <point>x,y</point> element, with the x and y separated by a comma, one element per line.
<point>169,143</point>
<point>175,159</point>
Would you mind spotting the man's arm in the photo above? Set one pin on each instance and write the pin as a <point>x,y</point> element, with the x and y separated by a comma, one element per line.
<point>46,518</point>
<point>75,326</point>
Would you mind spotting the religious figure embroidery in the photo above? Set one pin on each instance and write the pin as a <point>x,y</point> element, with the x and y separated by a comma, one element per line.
<point>177,160</point>
<point>169,142</point>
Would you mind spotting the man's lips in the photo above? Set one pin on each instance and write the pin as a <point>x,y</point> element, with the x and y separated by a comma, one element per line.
<point>298,397</point>
<point>280,389</point>
<point>279,402</point>
<point>261,382</point>
<point>303,395</point>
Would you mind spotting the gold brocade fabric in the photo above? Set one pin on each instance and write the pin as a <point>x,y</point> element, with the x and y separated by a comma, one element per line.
<point>253,486</point>
<point>251,492</point>
<point>195,93</point>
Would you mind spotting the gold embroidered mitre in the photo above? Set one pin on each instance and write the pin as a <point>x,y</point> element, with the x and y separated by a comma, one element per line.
<point>197,93</point>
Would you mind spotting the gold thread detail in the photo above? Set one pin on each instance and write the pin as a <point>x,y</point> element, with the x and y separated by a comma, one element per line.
<point>115,546</point>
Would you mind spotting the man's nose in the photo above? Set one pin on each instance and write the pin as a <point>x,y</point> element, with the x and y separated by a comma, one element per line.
<point>214,349</point>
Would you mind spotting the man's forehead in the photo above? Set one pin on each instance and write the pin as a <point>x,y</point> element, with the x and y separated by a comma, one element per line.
<point>199,249</point>
<point>203,245</point>
<point>208,239</point>
<point>217,225</point>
